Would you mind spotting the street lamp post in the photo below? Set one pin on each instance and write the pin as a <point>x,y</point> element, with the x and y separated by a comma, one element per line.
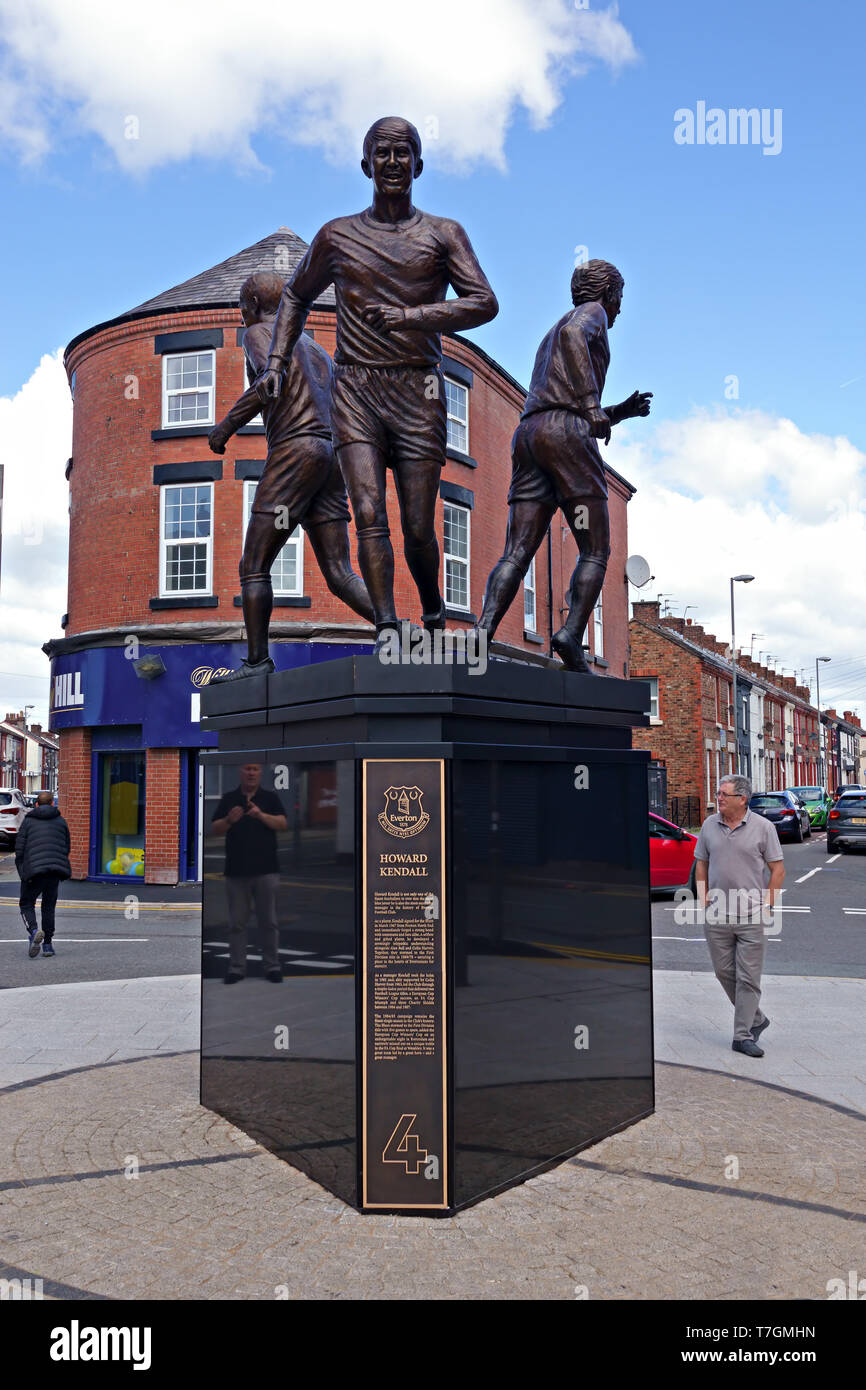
<point>820,727</point>
<point>736,579</point>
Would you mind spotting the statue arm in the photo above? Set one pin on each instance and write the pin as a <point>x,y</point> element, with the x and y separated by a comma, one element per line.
<point>247,406</point>
<point>638,403</point>
<point>580,369</point>
<point>310,279</point>
<point>475,303</point>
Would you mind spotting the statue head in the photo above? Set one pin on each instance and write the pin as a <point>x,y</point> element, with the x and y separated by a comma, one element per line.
<point>260,296</point>
<point>598,282</point>
<point>392,156</point>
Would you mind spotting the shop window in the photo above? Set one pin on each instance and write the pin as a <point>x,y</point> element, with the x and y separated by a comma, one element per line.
<point>287,571</point>
<point>188,389</point>
<point>121,805</point>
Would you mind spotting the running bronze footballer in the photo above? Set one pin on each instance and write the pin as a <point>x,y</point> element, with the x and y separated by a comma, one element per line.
<point>391,267</point>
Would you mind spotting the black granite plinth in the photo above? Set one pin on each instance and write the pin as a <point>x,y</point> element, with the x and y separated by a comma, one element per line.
<point>517,809</point>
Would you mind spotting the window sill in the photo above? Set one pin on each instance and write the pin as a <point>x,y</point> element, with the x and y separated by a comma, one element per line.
<point>456,456</point>
<point>460,613</point>
<point>535,637</point>
<point>281,601</point>
<point>654,719</point>
<point>251,429</point>
<point>186,601</point>
<point>600,661</point>
<point>181,432</point>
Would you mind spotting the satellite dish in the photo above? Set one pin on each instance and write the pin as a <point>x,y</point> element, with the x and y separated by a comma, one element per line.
<point>637,571</point>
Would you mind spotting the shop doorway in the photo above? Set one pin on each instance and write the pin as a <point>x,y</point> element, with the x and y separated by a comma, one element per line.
<point>191,793</point>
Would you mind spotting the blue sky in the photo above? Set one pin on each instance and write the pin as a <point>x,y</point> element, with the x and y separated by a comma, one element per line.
<point>737,263</point>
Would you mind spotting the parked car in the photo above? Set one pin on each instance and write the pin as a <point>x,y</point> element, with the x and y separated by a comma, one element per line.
<point>672,855</point>
<point>12,812</point>
<point>846,822</point>
<point>786,811</point>
<point>817,801</point>
<point>846,787</point>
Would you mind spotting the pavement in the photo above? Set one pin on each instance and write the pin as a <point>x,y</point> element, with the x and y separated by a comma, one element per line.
<point>747,1182</point>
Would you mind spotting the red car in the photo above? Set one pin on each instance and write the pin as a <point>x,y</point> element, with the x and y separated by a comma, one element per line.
<point>672,855</point>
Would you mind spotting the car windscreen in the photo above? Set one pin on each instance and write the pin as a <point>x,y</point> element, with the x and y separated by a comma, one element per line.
<point>849,800</point>
<point>807,793</point>
<point>767,801</point>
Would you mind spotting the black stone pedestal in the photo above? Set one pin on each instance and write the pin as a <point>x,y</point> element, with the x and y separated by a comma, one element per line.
<point>464,925</point>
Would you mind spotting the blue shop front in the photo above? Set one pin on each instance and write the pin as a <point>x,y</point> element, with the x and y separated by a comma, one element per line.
<point>135,698</point>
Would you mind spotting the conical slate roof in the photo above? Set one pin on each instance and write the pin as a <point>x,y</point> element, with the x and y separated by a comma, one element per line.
<point>219,287</point>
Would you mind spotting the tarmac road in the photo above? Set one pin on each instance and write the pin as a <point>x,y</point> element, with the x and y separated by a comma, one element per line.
<point>823,932</point>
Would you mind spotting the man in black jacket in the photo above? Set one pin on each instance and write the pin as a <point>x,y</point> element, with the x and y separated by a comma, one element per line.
<point>42,860</point>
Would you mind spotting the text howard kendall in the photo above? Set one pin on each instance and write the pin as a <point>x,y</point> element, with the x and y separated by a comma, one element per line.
<point>403,865</point>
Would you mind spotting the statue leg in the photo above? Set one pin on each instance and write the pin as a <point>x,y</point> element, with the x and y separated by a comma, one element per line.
<point>330,542</point>
<point>527,523</point>
<point>262,544</point>
<point>593,544</point>
<point>417,491</point>
<point>363,469</point>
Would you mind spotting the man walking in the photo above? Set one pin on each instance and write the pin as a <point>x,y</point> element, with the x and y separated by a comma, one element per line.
<point>42,861</point>
<point>739,857</point>
<point>250,817</point>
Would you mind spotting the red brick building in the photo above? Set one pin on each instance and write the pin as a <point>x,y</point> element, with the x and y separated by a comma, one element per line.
<point>156,532</point>
<point>692,734</point>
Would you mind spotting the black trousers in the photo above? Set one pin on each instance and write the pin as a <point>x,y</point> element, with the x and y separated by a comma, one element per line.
<point>31,888</point>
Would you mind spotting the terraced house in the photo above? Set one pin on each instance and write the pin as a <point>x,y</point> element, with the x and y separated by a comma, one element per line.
<point>695,734</point>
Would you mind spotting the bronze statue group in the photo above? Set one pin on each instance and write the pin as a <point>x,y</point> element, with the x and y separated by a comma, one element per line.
<point>333,431</point>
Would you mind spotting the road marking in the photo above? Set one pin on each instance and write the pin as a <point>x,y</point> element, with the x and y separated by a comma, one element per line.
<point>833,858</point>
<point>116,907</point>
<point>809,874</point>
<point>77,940</point>
<point>854,911</point>
<point>698,938</point>
<point>680,906</point>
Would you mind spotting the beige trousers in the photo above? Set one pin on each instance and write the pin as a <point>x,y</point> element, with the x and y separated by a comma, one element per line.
<point>737,953</point>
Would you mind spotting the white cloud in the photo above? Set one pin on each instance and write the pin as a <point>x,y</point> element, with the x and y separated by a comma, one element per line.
<point>36,430</point>
<point>203,77</point>
<point>750,493</point>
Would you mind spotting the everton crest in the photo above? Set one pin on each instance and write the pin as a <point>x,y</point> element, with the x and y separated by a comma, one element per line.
<point>404,814</point>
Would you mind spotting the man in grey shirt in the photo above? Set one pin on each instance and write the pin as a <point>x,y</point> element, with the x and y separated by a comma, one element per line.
<point>739,858</point>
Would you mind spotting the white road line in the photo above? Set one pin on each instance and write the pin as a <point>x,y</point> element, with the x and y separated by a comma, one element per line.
<point>833,858</point>
<point>698,938</point>
<point>76,940</point>
<point>679,938</point>
<point>809,874</point>
<point>680,906</point>
<point>854,911</point>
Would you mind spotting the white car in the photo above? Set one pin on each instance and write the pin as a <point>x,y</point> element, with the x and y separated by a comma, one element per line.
<point>12,812</point>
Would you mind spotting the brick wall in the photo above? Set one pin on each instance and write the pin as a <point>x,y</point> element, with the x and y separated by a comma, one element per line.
<point>162,815</point>
<point>74,795</point>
